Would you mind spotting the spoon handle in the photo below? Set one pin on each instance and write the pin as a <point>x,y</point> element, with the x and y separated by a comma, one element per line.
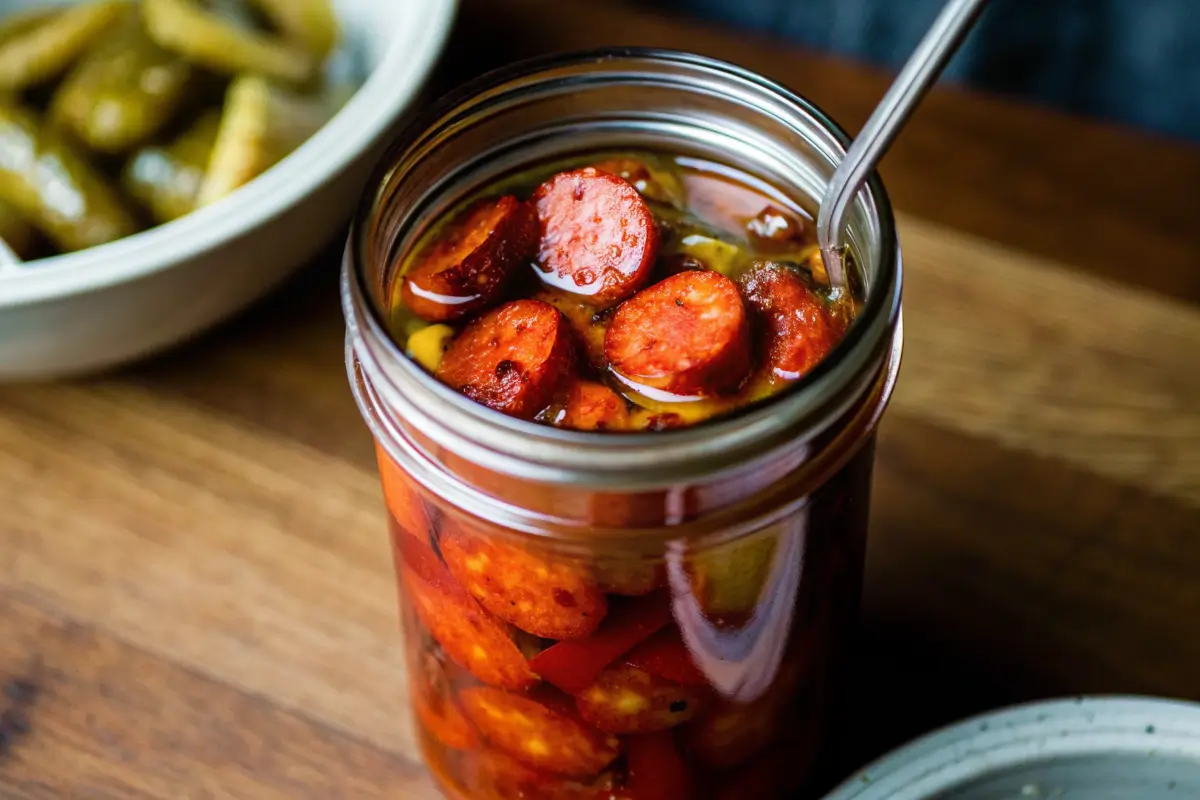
<point>914,80</point>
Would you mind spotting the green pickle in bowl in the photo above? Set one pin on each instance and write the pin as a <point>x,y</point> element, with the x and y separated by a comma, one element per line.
<point>123,91</point>
<point>118,115</point>
<point>166,178</point>
<point>52,184</point>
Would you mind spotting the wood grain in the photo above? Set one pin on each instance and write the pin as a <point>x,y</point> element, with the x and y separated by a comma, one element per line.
<point>193,563</point>
<point>1022,351</point>
<point>112,722</point>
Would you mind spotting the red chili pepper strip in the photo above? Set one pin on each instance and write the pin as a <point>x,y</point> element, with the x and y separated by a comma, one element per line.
<point>420,558</point>
<point>573,664</point>
<point>656,772</point>
<point>664,654</point>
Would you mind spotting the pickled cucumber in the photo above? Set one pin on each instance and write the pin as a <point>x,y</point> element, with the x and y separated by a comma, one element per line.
<point>37,45</point>
<point>15,231</point>
<point>310,23</point>
<point>715,254</point>
<point>52,185</point>
<point>260,124</point>
<point>123,91</point>
<point>22,22</point>
<point>729,579</point>
<point>166,179</point>
<point>208,39</point>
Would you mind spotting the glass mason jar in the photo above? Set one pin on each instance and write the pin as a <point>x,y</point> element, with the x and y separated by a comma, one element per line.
<point>644,615</point>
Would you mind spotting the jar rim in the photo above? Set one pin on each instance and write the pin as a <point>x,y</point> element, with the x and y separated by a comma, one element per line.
<point>631,460</point>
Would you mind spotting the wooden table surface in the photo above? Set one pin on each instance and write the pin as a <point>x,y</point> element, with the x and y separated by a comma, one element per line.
<point>197,597</point>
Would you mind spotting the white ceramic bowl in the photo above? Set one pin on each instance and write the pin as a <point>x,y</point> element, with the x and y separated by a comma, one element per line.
<point>103,306</point>
<point>1089,748</point>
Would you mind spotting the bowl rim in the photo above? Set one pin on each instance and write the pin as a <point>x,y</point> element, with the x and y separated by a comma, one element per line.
<point>997,741</point>
<point>387,90</point>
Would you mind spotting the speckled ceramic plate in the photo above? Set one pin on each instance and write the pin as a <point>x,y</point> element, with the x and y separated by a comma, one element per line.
<point>1090,748</point>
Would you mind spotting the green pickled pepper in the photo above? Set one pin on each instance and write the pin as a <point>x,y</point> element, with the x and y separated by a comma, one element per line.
<point>35,46</point>
<point>166,179</point>
<point>123,91</point>
<point>209,39</point>
<point>52,185</point>
<point>15,231</point>
<point>310,23</point>
<point>260,124</point>
<point>730,579</point>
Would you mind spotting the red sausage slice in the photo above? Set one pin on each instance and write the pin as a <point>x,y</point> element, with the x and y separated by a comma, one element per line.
<point>624,699</point>
<point>801,330</point>
<point>550,599</point>
<point>469,265</point>
<point>544,734</point>
<point>598,237</point>
<point>471,637</point>
<point>436,708</point>
<point>493,774</point>
<point>511,358</point>
<point>405,506</point>
<point>591,406</point>
<point>686,335</point>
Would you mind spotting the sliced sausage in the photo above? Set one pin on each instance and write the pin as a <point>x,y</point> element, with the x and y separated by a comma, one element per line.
<point>799,327</point>
<point>471,637</point>
<point>598,237</point>
<point>591,406</point>
<point>436,708</point>
<point>470,263</point>
<point>512,358</point>
<point>624,699</point>
<point>541,732</point>
<point>588,324</point>
<point>404,504</point>
<point>548,598</point>
<point>686,335</point>
<point>494,774</point>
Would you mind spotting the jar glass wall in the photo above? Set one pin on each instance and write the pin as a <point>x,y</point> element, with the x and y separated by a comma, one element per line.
<point>645,615</point>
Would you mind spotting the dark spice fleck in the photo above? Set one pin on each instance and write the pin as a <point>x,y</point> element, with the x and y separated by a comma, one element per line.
<point>603,316</point>
<point>679,706</point>
<point>504,367</point>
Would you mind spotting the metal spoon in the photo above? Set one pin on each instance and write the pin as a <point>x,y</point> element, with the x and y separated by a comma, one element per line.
<point>914,80</point>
